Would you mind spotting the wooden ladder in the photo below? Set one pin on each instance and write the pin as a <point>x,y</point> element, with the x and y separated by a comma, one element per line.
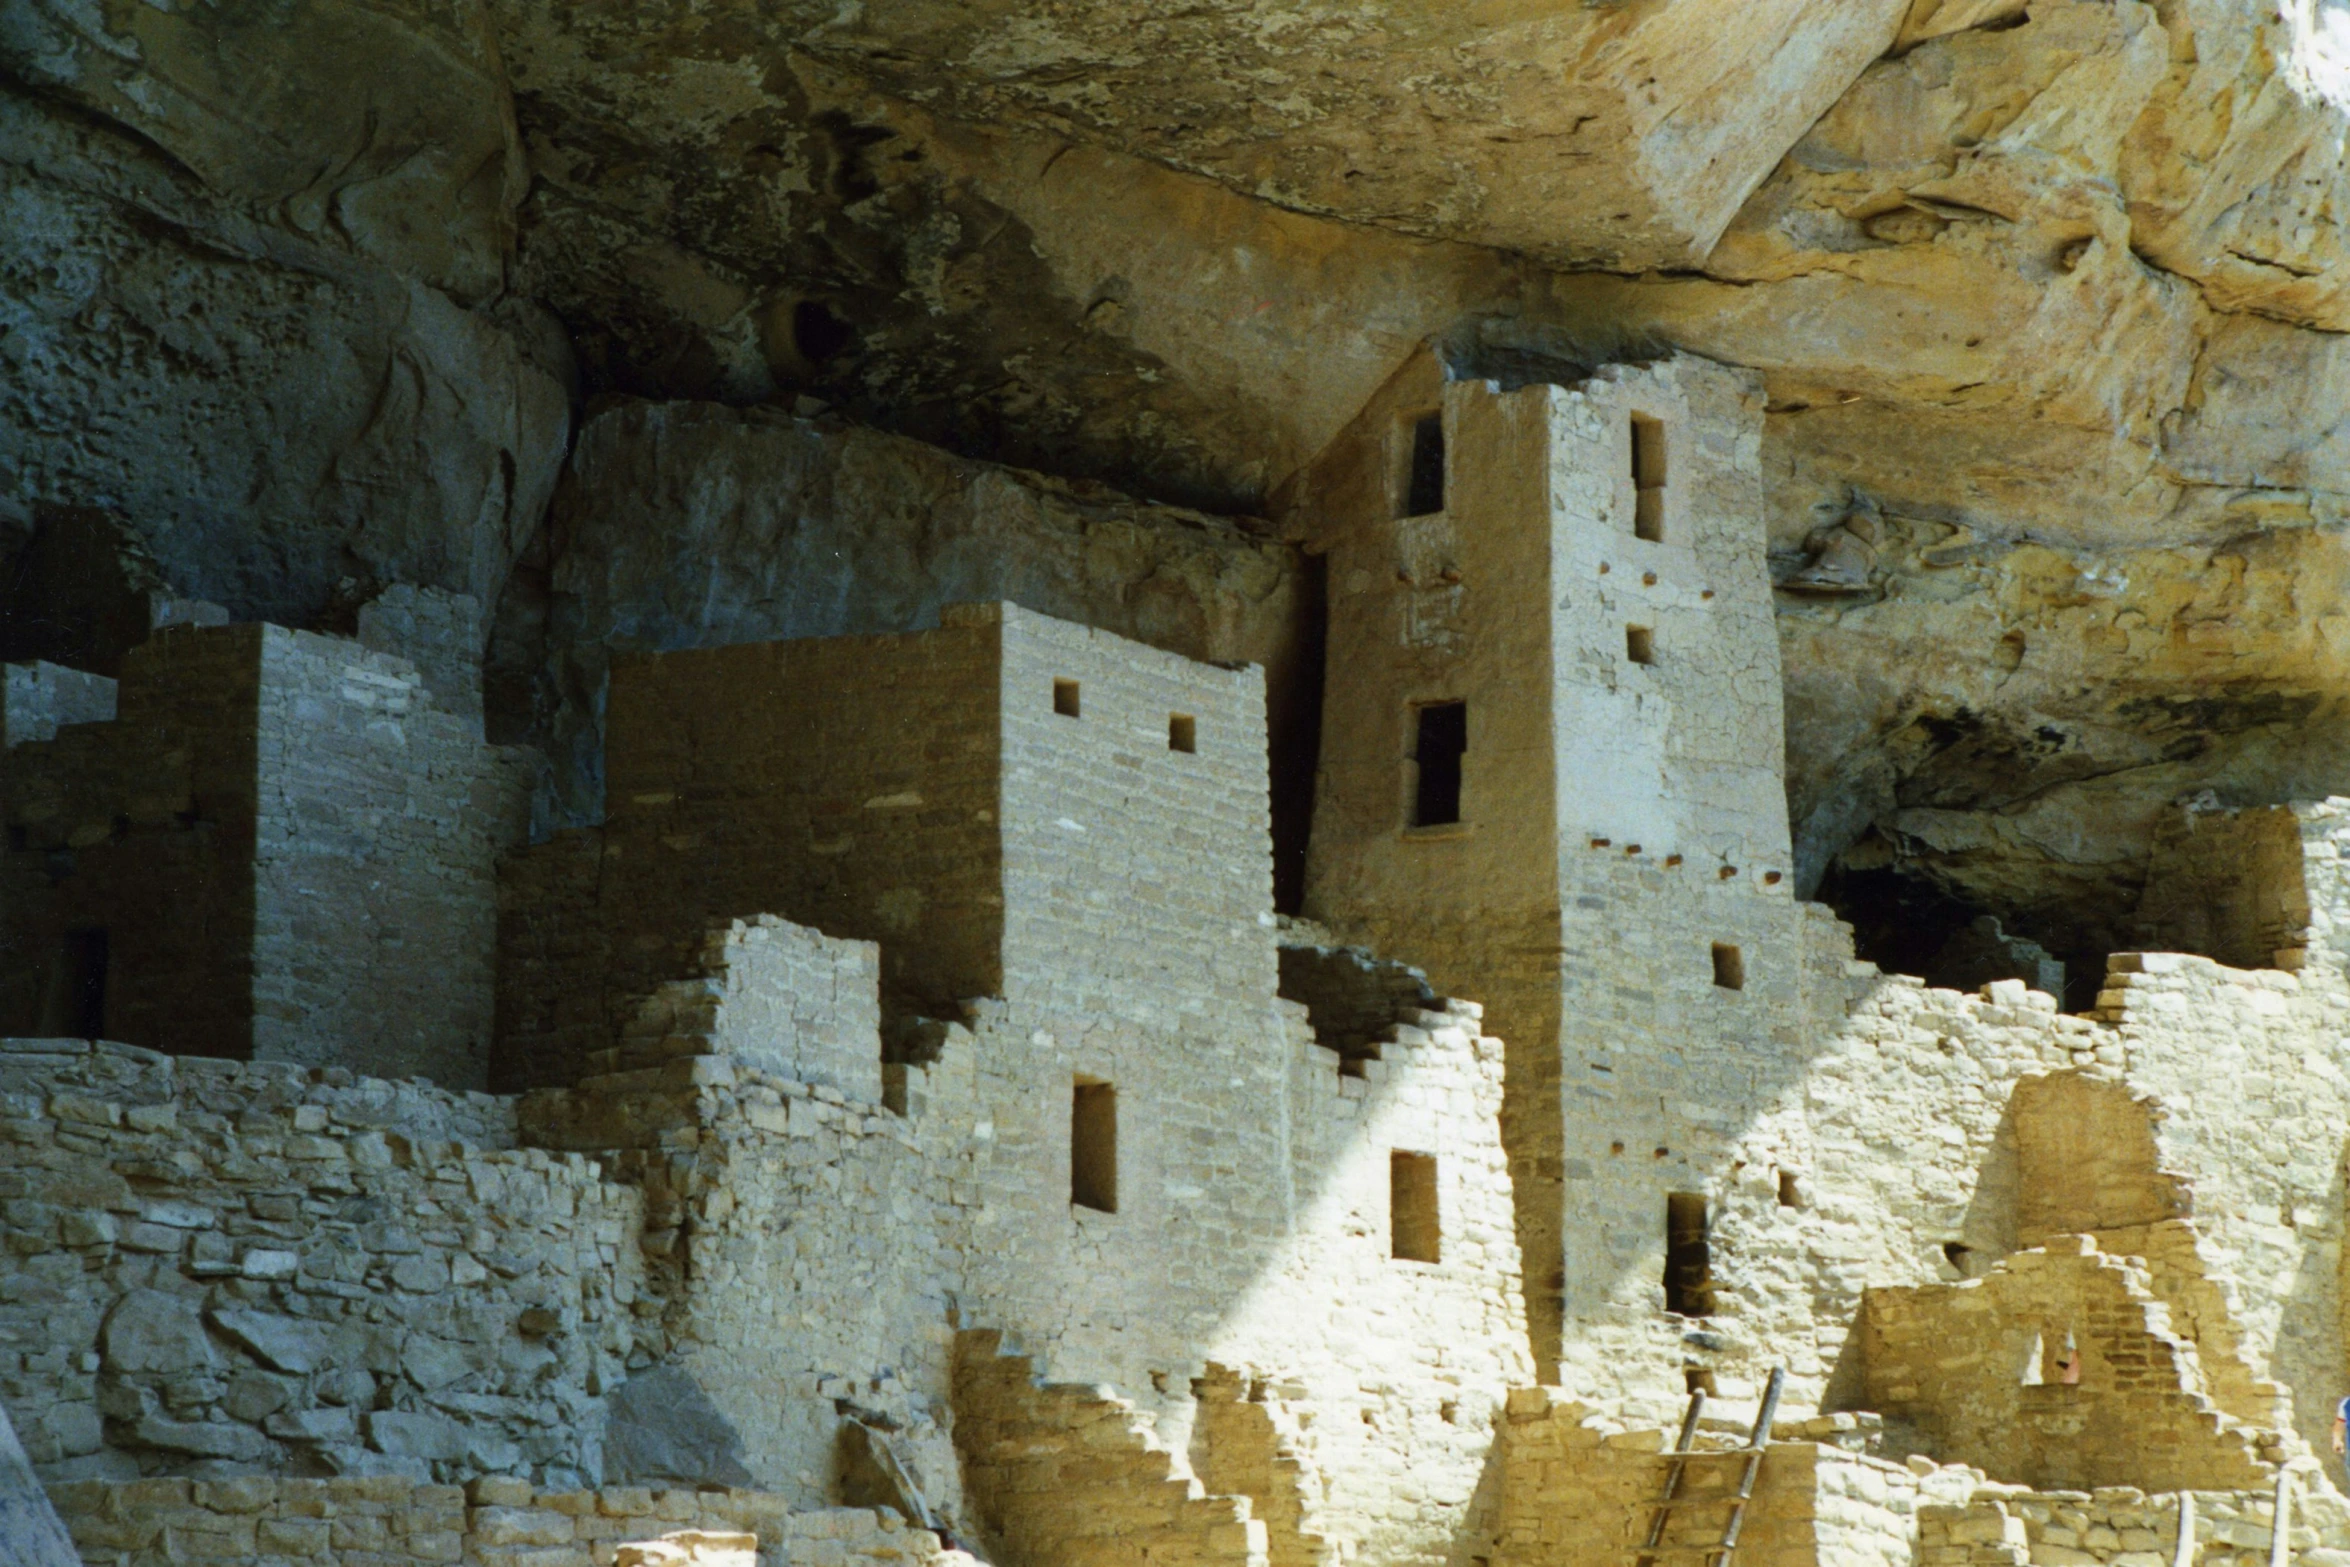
<point>1719,1554</point>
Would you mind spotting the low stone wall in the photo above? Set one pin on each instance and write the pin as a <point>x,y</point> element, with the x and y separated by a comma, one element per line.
<point>391,1521</point>
<point>1577,1487</point>
<point>2008,1526</point>
<point>281,1268</point>
<point>797,1237</point>
<point>1979,1367</point>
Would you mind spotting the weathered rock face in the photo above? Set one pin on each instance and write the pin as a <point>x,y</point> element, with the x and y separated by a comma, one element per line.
<point>2014,723</point>
<point>1621,136</point>
<point>242,306</point>
<point>2055,291</point>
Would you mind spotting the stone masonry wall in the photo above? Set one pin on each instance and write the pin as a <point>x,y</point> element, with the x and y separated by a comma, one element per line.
<point>802,1243</point>
<point>779,998</point>
<point>1981,1367</point>
<point>380,819</point>
<point>395,1521</point>
<point>1137,863</point>
<point>268,1268</point>
<point>1351,995</point>
<point>38,698</point>
<point>1578,1487</point>
<point>103,814</point>
<point>2250,1107</point>
<point>1390,1467</point>
<point>1677,746</point>
<point>846,784</point>
<point>2226,884</point>
<point>2008,1525</point>
<point>330,839</point>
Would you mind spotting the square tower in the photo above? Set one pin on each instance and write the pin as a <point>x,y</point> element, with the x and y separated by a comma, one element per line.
<point>1009,805</point>
<point>276,847</point>
<point>1552,771</point>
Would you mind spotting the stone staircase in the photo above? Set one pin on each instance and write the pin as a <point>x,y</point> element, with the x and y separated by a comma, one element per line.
<point>1242,1445</point>
<point>1064,1475</point>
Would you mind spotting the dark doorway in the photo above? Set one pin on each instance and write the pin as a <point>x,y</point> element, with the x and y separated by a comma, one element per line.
<point>1443,740</point>
<point>75,1007</point>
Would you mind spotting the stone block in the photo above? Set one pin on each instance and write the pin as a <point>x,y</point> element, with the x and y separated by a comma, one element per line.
<point>291,1344</point>
<point>151,1331</point>
<point>407,1434</point>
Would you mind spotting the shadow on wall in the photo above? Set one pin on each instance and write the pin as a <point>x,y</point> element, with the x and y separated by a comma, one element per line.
<point>685,525</point>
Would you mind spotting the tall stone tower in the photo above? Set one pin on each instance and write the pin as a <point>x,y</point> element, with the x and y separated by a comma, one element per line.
<point>1552,774</point>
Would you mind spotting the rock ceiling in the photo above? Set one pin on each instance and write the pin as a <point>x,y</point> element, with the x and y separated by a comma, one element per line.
<point>2057,292</point>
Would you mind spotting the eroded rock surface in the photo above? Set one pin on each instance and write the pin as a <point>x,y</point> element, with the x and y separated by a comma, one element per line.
<point>250,315</point>
<point>303,300</point>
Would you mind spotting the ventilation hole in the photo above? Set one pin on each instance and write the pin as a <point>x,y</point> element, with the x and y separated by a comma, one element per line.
<point>1790,1190</point>
<point>1729,966</point>
<point>1182,732</point>
<point>1640,644</point>
<point>1065,698</point>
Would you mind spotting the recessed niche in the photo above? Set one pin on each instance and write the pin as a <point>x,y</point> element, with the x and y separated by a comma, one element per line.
<point>1182,732</point>
<point>1729,966</point>
<point>1065,698</point>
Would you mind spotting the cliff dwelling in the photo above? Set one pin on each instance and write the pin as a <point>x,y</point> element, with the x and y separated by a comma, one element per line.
<point>1365,786</point>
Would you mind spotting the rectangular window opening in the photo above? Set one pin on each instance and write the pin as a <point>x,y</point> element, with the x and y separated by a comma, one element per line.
<point>1648,477</point>
<point>1065,698</point>
<point>1640,644</point>
<point>1424,483</point>
<point>1182,732</point>
<point>1093,1146</point>
<point>1415,1234</point>
<point>1729,966</point>
<point>75,1007</point>
<point>1689,1277</point>
<point>1442,741</point>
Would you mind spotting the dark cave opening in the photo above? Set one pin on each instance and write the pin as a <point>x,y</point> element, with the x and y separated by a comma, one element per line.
<point>1907,924</point>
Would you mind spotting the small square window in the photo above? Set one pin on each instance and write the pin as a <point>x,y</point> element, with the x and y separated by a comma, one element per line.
<point>1729,966</point>
<point>1065,698</point>
<point>1182,732</point>
<point>1640,644</point>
